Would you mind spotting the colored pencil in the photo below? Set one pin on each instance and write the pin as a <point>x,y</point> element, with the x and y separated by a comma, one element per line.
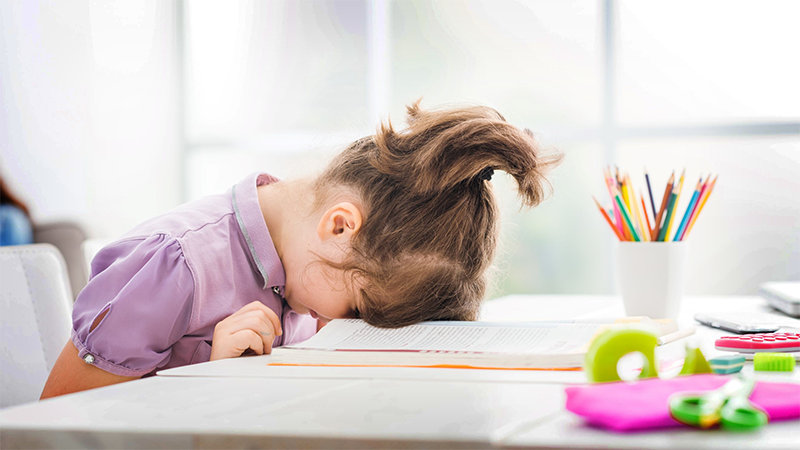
<point>689,210</point>
<point>627,231</point>
<point>608,219</point>
<point>631,204</point>
<point>638,213</point>
<point>677,199</point>
<point>700,197</point>
<point>650,191</point>
<point>670,209</point>
<point>708,194</point>
<point>657,224</point>
<point>624,191</point>
<point>613,187</point>
<point>617,215</point>
<point>626,215</point>
<point>644,208</point>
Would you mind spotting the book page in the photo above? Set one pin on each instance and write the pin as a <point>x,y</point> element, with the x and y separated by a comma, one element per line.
<point>544,338</point>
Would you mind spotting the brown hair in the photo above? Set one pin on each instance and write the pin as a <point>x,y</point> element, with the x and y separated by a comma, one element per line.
<point>430,217</point>
<point>8,198</point>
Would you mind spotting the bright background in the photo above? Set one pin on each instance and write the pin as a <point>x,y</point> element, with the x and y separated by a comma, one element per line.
<point>115,111</point>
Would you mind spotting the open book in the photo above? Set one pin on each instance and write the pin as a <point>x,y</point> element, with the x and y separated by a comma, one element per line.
<point>483,345</point>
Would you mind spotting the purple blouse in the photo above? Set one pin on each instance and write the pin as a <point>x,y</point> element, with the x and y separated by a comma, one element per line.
<point>170,280</point>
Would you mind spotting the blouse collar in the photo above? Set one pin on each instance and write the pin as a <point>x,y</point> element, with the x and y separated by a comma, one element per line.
<point>247,209</point>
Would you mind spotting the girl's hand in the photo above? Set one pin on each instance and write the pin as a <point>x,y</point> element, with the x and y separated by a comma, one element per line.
<point>254,326</point>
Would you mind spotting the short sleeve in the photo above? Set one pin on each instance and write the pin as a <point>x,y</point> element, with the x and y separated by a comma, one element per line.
<point>145,288</point>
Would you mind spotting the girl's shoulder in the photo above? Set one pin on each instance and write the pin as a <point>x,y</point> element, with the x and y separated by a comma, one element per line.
<point>186,218</point>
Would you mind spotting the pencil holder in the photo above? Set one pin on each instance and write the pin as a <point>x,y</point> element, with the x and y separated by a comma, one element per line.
<point>651,277</point>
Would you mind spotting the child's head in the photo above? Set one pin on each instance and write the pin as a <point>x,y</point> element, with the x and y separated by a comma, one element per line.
<point>427,221</point>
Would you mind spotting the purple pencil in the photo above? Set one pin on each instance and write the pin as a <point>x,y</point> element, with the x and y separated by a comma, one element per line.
<point>650,191</point>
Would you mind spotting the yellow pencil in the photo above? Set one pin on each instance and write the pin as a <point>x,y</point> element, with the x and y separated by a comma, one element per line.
<point>677,199</point>
<point>700,209</point>
<point>630,202</point>
<point>625,214</point>
<point>624,191</point>
<point>637,211</point>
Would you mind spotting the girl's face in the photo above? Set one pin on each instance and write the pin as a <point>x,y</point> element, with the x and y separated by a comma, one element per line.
<point>313,287</point>
<point>321,292</point>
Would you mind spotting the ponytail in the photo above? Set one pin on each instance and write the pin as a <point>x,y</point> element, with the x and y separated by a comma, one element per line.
<point>441,149</point>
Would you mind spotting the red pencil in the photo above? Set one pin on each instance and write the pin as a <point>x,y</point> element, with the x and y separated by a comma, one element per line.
<point>608,219</point>
<point>644,208</point>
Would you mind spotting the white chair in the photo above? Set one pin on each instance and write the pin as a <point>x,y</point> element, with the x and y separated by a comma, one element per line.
<point>35,319</point>
<point>90,248</point>
<point>67,236</point>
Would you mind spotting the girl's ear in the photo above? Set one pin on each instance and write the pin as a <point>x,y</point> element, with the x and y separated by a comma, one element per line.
<point>341,220</point>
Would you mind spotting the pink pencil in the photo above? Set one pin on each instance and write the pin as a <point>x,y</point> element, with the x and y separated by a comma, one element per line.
<point>617,215</point>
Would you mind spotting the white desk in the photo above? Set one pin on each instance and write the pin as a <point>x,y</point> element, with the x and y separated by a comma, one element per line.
<point>211,406</point>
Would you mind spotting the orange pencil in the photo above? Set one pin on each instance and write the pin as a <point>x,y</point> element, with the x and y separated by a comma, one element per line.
<point>657,224</point>
<point>644,208</point>
<point>608,219</point>
<point>694,219</point>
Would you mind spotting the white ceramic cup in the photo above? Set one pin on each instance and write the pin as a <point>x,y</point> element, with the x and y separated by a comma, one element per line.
<point>651,277</point>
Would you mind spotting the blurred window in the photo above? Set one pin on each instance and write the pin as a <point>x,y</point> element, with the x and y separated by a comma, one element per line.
<point>707,86</point>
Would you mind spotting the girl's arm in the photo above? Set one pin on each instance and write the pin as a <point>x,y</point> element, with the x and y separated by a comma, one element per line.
<point>70,374</point>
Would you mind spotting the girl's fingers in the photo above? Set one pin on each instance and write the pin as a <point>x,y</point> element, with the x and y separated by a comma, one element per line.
<point>258,324</point>
<point>268,313</point>
<point>254,317</point>
<point>252,326</point>
<point>252,306</point>
<point>253,321</point>
<point>244,339</point>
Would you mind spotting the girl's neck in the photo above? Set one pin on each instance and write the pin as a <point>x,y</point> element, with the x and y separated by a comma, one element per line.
<point>285,206</point>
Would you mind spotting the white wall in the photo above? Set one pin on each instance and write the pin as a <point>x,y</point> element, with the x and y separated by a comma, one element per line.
<point>89,123</point>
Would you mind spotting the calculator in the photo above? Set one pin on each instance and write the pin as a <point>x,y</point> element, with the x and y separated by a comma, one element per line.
<point>763,342</point>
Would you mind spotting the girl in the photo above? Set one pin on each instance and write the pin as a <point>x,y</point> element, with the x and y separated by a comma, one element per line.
<point>400,228</point>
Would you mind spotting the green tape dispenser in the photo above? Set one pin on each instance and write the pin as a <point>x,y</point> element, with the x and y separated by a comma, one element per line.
<point>600,363</point>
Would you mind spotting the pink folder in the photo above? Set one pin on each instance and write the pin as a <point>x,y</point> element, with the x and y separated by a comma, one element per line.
<point>640,405</point>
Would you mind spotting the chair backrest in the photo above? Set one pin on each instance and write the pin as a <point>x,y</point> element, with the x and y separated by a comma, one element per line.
<point>67,237</point>
<point>90,248</point>
<point>35,319</point>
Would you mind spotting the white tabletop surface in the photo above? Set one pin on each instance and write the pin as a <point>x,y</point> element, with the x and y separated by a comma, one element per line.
<point>243,402</point>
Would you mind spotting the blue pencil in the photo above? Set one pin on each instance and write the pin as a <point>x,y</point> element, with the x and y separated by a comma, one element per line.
<point>689,210</point>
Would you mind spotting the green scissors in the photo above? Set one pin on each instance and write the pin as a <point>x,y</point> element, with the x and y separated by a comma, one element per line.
<point>728,406</point>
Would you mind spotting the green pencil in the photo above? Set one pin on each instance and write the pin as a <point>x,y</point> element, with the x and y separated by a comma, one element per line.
<point>626,215</point>
<point>670,210</point>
